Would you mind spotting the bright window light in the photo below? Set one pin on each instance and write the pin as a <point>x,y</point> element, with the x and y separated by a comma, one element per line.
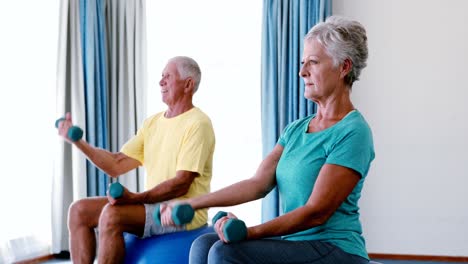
<point>224,37</point>
<point>28,53</point>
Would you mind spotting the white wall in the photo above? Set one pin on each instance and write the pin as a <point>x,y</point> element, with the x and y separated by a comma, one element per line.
<point>415,96</point>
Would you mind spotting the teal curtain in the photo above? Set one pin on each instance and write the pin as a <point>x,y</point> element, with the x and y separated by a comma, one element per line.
<point>285,23</point>
<point>101,80</point>
<point>114,77</point>
<point>93,37</point>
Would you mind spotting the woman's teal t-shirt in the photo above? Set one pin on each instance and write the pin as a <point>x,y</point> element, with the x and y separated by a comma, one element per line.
<point>348,143</point>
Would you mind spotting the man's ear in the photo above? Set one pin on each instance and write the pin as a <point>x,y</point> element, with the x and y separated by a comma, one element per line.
<point>189,85</point>
<point>346,67</point>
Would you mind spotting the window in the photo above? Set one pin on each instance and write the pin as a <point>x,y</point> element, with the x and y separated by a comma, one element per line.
<point>28,53</point>
<point>224,37</point>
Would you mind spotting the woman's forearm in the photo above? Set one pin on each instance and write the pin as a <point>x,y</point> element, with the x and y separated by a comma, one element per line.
<point>247,190</point>
<point>238,193</point>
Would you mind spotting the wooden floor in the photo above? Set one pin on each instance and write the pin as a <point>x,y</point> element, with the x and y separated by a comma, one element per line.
<point>379,260</point>
<point>414,262</point>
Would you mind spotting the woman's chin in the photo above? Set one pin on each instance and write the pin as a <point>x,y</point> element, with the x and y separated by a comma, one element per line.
<point>310,95</point>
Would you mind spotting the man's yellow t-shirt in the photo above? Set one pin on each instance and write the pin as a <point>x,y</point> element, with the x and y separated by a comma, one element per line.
<point>167,145</point>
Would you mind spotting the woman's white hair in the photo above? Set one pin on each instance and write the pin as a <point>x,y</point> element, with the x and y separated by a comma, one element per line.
<point>188,67</point>
<point>343,39</point>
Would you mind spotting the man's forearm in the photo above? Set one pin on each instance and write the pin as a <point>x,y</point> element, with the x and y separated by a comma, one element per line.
<point>101,158</point>
<point>165,191</point>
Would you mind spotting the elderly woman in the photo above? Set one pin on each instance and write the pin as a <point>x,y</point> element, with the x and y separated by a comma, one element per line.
<point>319,165</point>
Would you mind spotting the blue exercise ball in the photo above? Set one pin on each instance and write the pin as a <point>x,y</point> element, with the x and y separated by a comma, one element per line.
<point>172,248</point>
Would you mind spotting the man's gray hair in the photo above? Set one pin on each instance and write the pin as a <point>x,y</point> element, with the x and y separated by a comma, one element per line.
<point>343,39</point>
<point>188,67</point>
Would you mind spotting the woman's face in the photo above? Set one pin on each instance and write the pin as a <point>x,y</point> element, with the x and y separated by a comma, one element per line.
<point>321,77</point>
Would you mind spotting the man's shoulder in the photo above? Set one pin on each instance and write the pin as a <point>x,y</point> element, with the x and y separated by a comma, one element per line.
<point>197,111</point>
<point>150,120</point>
<point>198,116</point>
<point>154,117</point>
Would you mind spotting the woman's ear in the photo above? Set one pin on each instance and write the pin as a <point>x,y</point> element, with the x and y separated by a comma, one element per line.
<point>346,67</point>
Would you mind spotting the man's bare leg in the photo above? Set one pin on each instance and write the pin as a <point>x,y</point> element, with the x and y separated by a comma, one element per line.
<point>114,220</point>
<point>83,217</point>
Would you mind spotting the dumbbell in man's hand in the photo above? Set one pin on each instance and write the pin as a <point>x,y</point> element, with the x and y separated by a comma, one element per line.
<point>116,190</point>
<point>74,133</point>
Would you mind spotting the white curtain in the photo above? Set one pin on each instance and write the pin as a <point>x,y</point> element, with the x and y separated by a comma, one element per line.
<point>126,36</point>
<point>69,181</point>
<point>126,49</point>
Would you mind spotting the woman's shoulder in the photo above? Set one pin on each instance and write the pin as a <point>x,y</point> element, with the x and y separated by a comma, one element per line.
<point>298,125</point>
<point>354,126</point>
<point>356,121</point>
<point>301,121</point>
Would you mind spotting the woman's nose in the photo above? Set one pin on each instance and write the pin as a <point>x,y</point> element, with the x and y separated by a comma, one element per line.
<point>302,72</point>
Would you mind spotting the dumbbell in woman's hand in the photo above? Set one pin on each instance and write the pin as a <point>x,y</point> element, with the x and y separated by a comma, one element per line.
<point>116,190</point>
<point>74,133</point>
<point>218,216</point>
<point>181,214</point>
<point>234,230</point>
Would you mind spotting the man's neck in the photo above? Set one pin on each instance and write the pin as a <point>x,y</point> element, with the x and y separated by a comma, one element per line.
<point>173,111</point>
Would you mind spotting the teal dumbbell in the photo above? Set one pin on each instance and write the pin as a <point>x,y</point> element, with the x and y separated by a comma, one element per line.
<point>217,216</point>
<point>181,214</point>
<point>116,190</point>
<point>74,133</point>
<point>234,230</point>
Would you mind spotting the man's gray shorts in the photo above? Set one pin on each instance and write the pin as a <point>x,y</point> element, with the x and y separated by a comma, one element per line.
<point>151,228</point>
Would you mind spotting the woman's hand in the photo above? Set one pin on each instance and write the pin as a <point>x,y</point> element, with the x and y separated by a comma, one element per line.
<point>219,225</point>
<point>166,213</point>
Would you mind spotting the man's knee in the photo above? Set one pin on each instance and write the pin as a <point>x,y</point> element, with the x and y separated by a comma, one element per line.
<point>110,219</point>
<point>85,212</point>
<point>75,213</point>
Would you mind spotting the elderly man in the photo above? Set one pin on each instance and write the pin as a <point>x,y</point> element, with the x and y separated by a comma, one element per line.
<point>175,147</point>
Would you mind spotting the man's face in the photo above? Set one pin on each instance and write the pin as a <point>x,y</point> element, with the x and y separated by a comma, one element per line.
<point>172,86</point>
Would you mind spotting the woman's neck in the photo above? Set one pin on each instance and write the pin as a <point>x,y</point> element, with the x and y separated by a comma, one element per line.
<point>330,112</point>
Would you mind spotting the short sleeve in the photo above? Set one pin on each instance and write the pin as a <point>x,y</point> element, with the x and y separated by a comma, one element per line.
<point>354,150</point>
<point>197,147</point>
<point>134,148</point>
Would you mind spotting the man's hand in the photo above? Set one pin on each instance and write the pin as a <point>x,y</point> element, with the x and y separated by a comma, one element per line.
<point>64,126</point>
<point>126,198</point>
